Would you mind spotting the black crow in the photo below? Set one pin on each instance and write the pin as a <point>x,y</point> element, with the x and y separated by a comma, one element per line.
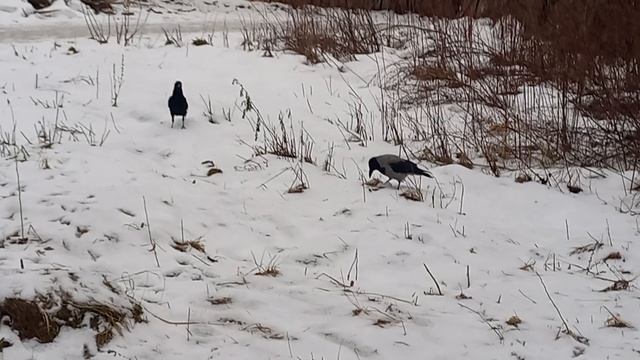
<point>395,168</point>
<point>178,103</point>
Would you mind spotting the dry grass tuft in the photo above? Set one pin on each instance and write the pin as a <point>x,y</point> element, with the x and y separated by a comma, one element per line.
<point>429,72</point>
<point>213,171</point>
<point>373,182</point>
<point>297,189</point>
<point>199,42</point>
<point>618,285</point>
<point>186,245</point>
<point>514,321</point>
<point>528,266</point>
<point>616,322</point>
<point>271,270</point>
<point>212,168</point>
<point>265,331</point>
<point>413,194</point>
<point>220,300</point>
<point>29,320</point>
<point>613,256</point>
<point>43,317</point>
<point>586,248</point>
<point>382,323</point>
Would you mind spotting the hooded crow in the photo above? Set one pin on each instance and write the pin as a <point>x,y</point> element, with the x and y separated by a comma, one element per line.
<point>178,103</point>
<point>395,168</point>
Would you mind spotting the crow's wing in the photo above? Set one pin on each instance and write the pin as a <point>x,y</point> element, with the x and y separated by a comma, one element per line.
<point>405,167</point>
<point>408,167</point>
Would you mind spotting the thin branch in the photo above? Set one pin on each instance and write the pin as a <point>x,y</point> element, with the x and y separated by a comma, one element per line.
<point>433,278</point>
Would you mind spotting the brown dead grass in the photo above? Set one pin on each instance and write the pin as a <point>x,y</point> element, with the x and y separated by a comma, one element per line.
<point>613,256</point>
<point>618,285</point>
<point>43,317</point>
<point>413,194</point>
<point>186,245</point>
<point>616,322</point>
<point>271,270</point>
<point>297,189</point>
<point>29,321</point>
<point>220,300</point>
<point>514,321</point>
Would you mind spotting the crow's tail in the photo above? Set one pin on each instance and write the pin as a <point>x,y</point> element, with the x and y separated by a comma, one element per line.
<point>424,173</point>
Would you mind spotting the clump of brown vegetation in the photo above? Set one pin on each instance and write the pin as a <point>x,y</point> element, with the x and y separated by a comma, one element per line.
<point>544,87</point>
<point>320,34</point>
<point>413,194</point>
<point>268,269</point>
<point>186,245</point>
<point>514,321</point>
<point>220,300</point>
<point>43,317</point>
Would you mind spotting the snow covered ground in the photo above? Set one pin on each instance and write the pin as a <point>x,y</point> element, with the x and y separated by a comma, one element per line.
<point>352,281</point>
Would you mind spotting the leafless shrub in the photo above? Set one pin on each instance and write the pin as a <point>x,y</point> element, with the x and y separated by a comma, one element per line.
<point>541,88</point>
<point>314,33</point>
<point>125,29</point>
<point>118,24</point>
<point>173,36</point>
<point>97,30</point>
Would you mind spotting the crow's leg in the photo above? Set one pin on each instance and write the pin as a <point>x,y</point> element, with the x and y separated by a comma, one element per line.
<point>183,122</point>
<point>399,184</point>
<point>172,116</point>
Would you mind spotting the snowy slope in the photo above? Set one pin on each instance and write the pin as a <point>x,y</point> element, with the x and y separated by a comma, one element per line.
<point>85,204</point>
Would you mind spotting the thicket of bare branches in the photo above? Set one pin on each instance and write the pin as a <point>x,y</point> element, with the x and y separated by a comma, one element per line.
<point>539,85</point>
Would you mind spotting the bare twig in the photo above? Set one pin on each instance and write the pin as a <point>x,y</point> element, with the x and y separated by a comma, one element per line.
<point>433,278</point>
<point>151,241</point>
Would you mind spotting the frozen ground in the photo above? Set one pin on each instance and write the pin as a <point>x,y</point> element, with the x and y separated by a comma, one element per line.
<point>83,207</point>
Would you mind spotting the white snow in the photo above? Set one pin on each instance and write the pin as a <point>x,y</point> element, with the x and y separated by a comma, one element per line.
<point>87,211</point>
